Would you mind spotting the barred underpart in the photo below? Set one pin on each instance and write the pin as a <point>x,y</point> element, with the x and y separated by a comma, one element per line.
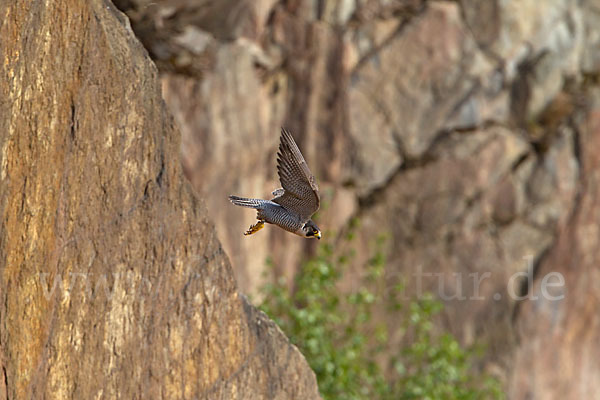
<point>270,212</point>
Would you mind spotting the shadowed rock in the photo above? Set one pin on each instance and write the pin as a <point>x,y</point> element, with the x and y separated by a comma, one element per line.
<point>451,127</point>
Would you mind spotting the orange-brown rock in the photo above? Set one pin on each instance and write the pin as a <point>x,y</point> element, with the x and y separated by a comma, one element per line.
<point>113,283</point>
<point>559,324</point>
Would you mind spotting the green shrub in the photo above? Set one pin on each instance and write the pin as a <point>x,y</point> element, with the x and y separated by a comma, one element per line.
<point>340,340</point>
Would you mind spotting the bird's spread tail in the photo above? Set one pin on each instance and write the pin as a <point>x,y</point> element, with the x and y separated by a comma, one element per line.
<point>245,202</point>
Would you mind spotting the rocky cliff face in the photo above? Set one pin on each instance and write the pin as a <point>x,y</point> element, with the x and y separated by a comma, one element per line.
<point>462,130</point>
<point>559,339</point>
<point>113,283</point>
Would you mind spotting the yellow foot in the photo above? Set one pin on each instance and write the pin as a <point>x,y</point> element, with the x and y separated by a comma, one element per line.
<point>255,228</point>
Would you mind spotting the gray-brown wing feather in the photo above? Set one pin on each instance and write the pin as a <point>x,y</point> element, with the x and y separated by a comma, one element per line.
<point>301,193</point>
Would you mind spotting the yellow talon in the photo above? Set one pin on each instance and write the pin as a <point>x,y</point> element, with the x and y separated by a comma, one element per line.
<point>255,228</point>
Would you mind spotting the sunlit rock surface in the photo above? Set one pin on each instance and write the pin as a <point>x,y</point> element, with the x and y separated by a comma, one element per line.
<point>113,283</point>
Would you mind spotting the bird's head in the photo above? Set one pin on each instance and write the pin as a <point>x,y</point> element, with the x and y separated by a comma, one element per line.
<point>311,230</point>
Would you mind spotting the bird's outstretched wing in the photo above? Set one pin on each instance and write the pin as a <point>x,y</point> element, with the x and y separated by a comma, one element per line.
<point>301,193</point>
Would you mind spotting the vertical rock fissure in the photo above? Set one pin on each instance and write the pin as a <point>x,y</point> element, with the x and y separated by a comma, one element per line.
<point>72,120</point>
<point>5,376</point>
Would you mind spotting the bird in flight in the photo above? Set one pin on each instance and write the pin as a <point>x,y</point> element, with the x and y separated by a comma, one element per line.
<point>295,202</point>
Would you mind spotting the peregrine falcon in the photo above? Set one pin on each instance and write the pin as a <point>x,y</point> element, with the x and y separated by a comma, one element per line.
<point>295,202</point>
